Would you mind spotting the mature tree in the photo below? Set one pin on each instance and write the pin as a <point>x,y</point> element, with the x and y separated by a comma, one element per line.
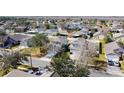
<point>5,18</point>
<point>65,67</point>
<point>47,26</point>
<point>88,53</point>
<point>121,43</point>
<point>108,37</point>
<point>40,40</point>
<point>2,33</point>
<point>12,60</point>
<point>103,22</point>
<point>65,48</point>
<point>81,71</point>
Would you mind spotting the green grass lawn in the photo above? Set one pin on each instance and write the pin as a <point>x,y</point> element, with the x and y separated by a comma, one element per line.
<point>121,41</point>
<point>24,67</point>
<point>101,59</point>
<point>102,56</point>
<point>35,52</point>
<point>21,67</point>
<point>100,62</point>
<point>122,65</point>
<point>4,72</point>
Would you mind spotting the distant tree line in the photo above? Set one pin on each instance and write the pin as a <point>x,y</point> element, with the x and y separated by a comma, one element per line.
<point>4,18</point>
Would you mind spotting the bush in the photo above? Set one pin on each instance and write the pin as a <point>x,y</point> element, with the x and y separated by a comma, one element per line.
<point>108,39</point>
<point>121,43</point>
<point>81,72</point>
<point>5,71</point>
<point>2,33</point>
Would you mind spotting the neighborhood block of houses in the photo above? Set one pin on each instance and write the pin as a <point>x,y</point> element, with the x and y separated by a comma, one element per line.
<point>61,47</point>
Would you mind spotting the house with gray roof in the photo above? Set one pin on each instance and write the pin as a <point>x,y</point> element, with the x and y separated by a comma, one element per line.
<point>113,53</point>
<point>18,73</point>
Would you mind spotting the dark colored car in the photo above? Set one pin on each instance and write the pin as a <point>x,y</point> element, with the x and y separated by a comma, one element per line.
<point>110,63</point>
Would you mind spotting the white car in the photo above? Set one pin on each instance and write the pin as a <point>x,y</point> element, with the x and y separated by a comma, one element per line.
<point>116,64</point>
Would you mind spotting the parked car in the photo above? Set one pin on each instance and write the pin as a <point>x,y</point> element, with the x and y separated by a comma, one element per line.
<point>116,64</point>
<point>110,63</point>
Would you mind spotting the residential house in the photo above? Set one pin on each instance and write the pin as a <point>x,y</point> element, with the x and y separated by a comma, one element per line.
<point>113,53</point>
<point>116,27</point>
<point>9,41</point>
<point>20,29</point>
<point>18,73</point>
<point>51,32</point>
<point>21,38</point>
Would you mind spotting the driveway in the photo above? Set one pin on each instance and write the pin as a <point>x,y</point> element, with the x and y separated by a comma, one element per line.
<point>96,73</point>
<point>112,70</point>
<point>36,62</point>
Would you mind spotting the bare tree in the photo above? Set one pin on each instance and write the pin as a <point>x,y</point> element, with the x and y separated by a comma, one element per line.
<point>88,52</point>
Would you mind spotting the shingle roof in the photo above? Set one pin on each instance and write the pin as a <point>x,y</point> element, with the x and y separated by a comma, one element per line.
<point>19,37</point>
<point>18,73</point>
<point>3,38</point>
<point>55,75</point>
<point>110,47</point>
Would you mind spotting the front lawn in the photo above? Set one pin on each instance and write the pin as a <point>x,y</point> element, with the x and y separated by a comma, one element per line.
<point>101,60</point>
<point>24,67</point>
<point>4,72</point>
<point>34,52</point>
<point>122,66</point>
<point>103,56</point>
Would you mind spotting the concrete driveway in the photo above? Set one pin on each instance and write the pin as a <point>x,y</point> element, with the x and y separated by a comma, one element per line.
<point>112,70</point>
<point>36,62</point>
<point>96,73</point>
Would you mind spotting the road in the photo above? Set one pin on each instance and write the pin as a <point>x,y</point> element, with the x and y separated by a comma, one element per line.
<point>96,73</point>
<point>118,36</point>
<point>112,71</point>
<point>36,62</point>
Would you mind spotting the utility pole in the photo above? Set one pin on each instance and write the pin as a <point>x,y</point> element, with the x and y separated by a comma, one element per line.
<point>30,58</point>
<point>86,51</point>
